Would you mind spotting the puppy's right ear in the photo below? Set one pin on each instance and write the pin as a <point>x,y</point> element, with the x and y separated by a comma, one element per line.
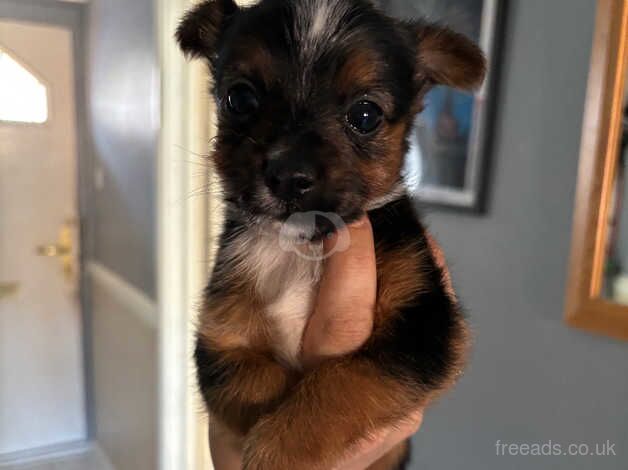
<point>201,27</point>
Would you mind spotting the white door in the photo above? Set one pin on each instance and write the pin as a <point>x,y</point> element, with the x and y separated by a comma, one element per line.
<point>41,352</point>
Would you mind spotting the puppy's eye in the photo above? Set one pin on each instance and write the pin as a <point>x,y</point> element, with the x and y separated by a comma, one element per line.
<point>242,100</point>
<point>365,116</point>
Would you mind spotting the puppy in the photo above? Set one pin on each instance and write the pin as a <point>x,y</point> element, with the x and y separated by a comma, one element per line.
<point>315,101</point>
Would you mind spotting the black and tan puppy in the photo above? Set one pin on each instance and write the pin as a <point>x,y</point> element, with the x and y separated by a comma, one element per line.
<point>316,99</point>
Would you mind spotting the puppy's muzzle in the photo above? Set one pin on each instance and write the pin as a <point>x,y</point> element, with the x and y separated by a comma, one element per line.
<point>289,181</point>
<point>291,171</point>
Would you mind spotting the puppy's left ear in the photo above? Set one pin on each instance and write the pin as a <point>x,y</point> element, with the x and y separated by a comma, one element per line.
<point>448,58</point>
<point>201,27</point>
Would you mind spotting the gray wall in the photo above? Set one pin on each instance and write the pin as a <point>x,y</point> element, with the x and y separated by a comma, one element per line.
<point>532,379</point>
<point>125,381</point>
<point>123,102</point>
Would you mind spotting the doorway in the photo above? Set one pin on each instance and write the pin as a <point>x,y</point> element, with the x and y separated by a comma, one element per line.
<point>40,312</point>
<point>43,383</point>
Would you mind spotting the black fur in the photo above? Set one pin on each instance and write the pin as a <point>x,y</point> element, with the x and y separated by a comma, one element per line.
<point>419,341</point>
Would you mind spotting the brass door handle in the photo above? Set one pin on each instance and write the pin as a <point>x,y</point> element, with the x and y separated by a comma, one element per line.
<point>8,289</point>
<point>63,249</point>
<point>52,251</point>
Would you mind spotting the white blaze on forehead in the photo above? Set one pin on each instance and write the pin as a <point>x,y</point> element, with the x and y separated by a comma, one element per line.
<point>317,26</point>
<point>320,20</point>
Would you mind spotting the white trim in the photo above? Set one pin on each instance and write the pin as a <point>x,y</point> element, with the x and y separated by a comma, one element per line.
<point>449,196</point>
<point>136,301</point>
<point>182,249</point>
<point>103,457</point>
<point>53,454</point>
<point>54,451</point>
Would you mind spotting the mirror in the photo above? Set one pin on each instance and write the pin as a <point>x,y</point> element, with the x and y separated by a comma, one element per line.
<point>597,290</point>
<point>615,285</point>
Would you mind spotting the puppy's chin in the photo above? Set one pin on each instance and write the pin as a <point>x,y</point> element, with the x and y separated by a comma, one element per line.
<point>294,221</point>
<point>320,218</point>
<point>312,226</point>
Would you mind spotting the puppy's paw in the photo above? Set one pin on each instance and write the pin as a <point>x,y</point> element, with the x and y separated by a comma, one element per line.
<point>274,444</point>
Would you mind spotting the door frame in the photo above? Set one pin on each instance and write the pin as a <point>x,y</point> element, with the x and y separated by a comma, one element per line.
<point>185,230</point>
<point>70,15</point>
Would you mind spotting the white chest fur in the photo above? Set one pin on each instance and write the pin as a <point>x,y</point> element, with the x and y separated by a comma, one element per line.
<point>285,280</point>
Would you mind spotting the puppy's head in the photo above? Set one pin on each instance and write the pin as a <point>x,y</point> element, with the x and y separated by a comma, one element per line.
<point>316,98</point>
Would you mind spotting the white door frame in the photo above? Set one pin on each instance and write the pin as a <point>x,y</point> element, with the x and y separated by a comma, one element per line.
<point>183,243</point>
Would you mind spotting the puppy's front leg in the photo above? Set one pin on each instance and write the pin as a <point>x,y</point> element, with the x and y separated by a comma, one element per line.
<point>239,385</point>
<point>331,409</point>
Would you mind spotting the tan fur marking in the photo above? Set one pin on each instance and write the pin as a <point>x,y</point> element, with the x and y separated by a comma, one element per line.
<point>451,58</point>
<point>399,280</point>
<point>257,385</point>
<point>234,319</point>
<point>383,173</point>
<point>359,72</point>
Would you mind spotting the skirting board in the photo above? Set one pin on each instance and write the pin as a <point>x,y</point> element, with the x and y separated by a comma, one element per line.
<point>55,454</point>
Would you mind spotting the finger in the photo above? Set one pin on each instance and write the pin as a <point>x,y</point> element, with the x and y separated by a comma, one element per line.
<point>343,317</point>
<point>224,451</point>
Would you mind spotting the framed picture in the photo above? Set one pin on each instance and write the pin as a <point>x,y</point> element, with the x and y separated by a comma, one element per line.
<point>447,161</point>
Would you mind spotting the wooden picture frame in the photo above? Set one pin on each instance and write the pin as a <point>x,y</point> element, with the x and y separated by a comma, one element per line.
<point>585,307</point>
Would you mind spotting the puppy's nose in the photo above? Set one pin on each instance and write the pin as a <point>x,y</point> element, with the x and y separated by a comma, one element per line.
<point>287,182</point>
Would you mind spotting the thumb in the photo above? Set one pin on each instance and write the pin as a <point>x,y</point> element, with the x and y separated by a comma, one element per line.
<point>343,316</point>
